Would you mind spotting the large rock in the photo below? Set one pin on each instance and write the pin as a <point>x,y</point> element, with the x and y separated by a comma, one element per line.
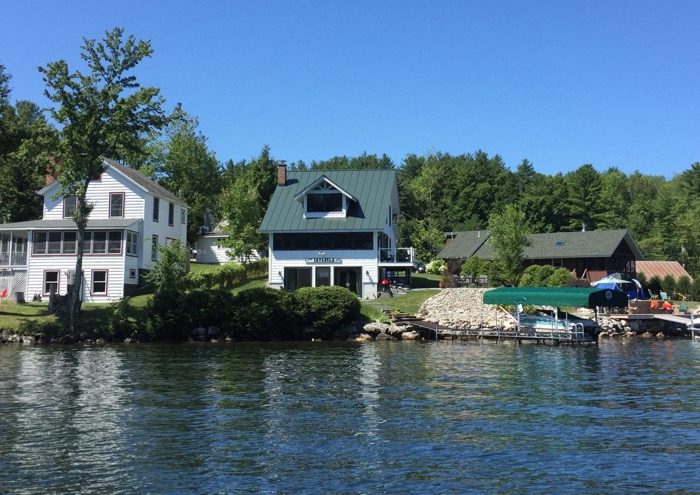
<point>375,328</point>
<point>384,336</point>
<point>363,337</point>
<point>462,308</point>
<point>410,335</point>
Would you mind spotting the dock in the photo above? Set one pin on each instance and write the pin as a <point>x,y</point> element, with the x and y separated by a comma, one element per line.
<point>517,335</point>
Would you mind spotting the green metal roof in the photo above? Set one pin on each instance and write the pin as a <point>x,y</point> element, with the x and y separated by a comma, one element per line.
<point>372,189</point>
<point>588,244</point>
<point>549,296</point>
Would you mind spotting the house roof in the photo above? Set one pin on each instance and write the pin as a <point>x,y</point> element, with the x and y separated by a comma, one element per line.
<point>143,181</point>
<point>137,178</point>
<point>661,269</point>
<point>587,244</point>
<point>316,182</point>
<point>69,224</point>
<point>372,190</point>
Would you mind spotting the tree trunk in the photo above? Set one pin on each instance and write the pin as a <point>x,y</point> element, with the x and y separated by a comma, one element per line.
<point>82,212</point>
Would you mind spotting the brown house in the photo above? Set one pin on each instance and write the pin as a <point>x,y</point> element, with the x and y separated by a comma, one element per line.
<point>589,254</point>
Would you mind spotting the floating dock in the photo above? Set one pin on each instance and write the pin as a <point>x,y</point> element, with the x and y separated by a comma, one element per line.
<point>555,336</point>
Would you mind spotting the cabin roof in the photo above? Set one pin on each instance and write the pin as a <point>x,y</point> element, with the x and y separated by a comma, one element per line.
<point>587,244</point>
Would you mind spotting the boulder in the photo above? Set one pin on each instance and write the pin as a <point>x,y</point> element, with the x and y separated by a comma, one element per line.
<point>384,336</point>
<point>363,337</point>
<point>647,335</point>
<point>375,328</point>
<point>410,335</point>
<point>660,335</point>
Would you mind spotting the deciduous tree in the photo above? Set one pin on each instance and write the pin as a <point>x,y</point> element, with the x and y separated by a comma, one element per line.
<point>102,111</point>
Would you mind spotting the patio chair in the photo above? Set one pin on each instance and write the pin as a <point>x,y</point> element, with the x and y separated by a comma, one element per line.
<point>663,296</point>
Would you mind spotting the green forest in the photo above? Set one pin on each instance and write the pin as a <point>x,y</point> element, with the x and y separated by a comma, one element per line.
<point>439,192</point>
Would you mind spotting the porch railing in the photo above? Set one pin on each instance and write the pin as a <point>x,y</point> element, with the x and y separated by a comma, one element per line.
<point>397,255</point>
<point>13,259</point>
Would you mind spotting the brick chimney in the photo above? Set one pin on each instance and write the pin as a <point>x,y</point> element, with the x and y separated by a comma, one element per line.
<point>281,173</point>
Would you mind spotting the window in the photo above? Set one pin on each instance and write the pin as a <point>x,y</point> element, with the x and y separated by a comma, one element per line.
<point>131,243</point>
<point>323,276</point>
<point>295,278</point>
<point>559,243</point>
<point>50,281</point>
<point>99,242</point>
<point>324,202</point>
<point>154,248</point>
<point>132,273</point>
<point>171,214</point>
<point>69,242</point>
<point>114,242</point>
<point>87,242</point>
<point>54,246</point>
<point>99,281</point>
<point>183,216</point>
<point>156,209</point>
<point>39,243</point>
<point>308,242</point>
<point>116,204</point>
<point>69,206</point>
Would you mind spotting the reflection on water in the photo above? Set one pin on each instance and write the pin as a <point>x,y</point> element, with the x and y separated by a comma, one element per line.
<point>351,418</point>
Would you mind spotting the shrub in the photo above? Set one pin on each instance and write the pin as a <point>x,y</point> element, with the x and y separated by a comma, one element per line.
<point>168,316</point>
<point>641,278</point>
<point>546,276</point>
<point>265,314</point>
<point>326,308</point>
<point>208,307</point>
<point>170,270</point>
<point>668,284</point>
<point>683,285</point>
<point>695,290</point>
<point>436,267</point>
<point>655,284</point>
<point>474,267</point>
<point>257,268</point>
<point>119,325</point>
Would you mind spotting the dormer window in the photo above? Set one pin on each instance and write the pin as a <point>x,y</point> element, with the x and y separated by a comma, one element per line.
<point>324,199</point>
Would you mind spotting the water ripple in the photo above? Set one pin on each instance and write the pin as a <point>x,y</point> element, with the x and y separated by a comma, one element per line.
<point>347,418</point>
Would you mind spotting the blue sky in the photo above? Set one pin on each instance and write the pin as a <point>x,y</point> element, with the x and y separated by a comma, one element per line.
<point>561,83</point>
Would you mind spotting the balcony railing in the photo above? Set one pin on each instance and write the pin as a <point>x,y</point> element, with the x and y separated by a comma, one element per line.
<point>13,259</point>
<point>397,255</point>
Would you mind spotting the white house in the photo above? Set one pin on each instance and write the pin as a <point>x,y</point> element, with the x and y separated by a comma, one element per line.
<point>334,227</point>
<point>211,246</point>
<point>132,216</point>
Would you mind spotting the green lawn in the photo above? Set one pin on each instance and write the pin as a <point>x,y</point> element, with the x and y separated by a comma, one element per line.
<point>408,303</point>
<point>93,316</point>
<point>203,267</point>
<point>425,281</point>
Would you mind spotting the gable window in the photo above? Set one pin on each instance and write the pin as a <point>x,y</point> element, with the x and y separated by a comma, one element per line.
<point>324,198</point>
<point>116,205</point>
<point>131,243</point>
<point>70,204</point>
<point>171,214</point>
<point>154,248</point>
<point>50,281</point>
<point>99,281</point>
<point>156,209</point>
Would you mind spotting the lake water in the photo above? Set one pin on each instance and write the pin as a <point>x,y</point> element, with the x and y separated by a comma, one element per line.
<point>351,418</point>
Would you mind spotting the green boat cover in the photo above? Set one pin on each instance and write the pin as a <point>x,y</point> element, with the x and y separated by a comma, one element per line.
<point>550,296</point>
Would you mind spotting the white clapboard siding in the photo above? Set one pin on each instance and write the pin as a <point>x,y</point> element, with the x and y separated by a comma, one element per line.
<point>364,259</point>
<point>98,194</point>
<point>114,265</point>
<point>210,250</point>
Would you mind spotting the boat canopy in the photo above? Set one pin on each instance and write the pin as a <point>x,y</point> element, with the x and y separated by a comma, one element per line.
<point>588,297</point>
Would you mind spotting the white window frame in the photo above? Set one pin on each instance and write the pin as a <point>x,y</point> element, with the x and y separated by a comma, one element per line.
<point>106,282</point>
<point>57,282</point>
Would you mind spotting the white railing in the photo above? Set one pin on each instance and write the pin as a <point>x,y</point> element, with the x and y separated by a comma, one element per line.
<point>397,255</point>
<point>13,259</point>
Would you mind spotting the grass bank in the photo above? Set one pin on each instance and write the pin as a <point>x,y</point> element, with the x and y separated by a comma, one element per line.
<point>401,303</point>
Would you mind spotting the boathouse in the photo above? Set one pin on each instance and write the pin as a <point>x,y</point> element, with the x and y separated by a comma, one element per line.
<point>334,227</point>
